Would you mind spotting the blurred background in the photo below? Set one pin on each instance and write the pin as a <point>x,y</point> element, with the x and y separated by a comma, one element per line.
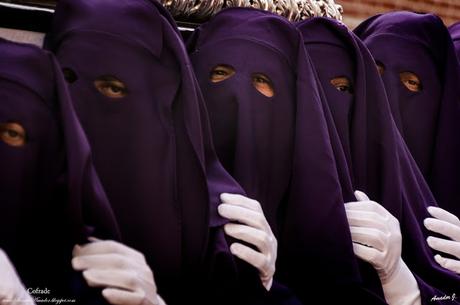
<point>354,11</point>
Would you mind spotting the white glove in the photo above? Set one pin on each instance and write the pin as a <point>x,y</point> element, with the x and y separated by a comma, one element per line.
<point>121,271</point>
<point>12,292</point>
<point>377,240</point>
<point>446,224</point>
<point>255,230</point>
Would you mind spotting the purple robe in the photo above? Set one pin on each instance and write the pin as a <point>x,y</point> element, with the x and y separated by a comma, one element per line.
<point>370,153</point>
<point>152,148</point>
<point>51,196</point>
<point>429,119</point>
<point>278,148</point>
<point>454,31</point>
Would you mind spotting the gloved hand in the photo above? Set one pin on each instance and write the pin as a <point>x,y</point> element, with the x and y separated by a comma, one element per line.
<point>446,224</point>
<point>121,271</point>
<point>254,229</point>
<point>377,240</point>
<point>12,292</point>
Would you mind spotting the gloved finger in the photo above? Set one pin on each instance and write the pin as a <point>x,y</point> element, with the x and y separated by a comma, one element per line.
<point>243,215</point>
<point>366,219</point>
<point>111,261</point>
<point>448,263</point>
<point>369,206</point>
<point>443,227</point>
<point>107,247</point>
<point>242,201</point>
<point>444,215</point>
<point>256,259</point>
<point>361,196</point>
<point>444,245</point>
<point>8,277</point>
<point>101,261</point>
<point>267,282</point>
<point>123,297</point>
<point>4,257</point>
<point>369,236</point>
<point>112,278</point>
<point>253,236</point>
<point>94,239</point>
<point>365,253</point>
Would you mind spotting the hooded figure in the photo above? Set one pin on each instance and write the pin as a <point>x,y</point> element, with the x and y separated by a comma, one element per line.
<point>137,99</point>
<point>51,196</point>
<point>270,134</point>
<point>454,31</point>
<point>419,69</point>
<point>370,153</point>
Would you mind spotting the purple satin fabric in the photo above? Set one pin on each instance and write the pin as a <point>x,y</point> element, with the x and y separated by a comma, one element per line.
<point>152,148</point>
<point>454,31</point>
<point>428,120</point>
<point>51,196</point>
<point>278,147</point>
<point>371,154</point>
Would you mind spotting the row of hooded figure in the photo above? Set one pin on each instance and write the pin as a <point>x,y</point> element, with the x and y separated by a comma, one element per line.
<point>262,162</point>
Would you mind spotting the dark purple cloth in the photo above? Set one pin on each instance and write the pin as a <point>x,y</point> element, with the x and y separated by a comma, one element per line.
<point>51,196</point>
<point>428,120</point>
<point>152,148</point>
<point>278,147</point>
<point>371,155</point>
<point>454,31</point>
